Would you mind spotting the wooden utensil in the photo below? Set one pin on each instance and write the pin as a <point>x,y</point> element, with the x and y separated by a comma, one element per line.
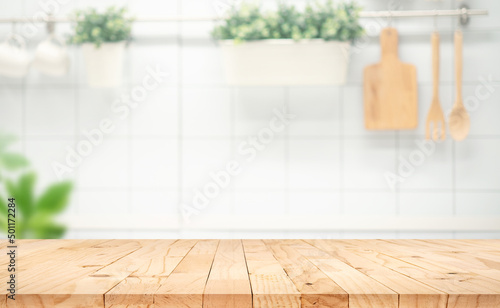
<point>459,118</point>
<point>390,89</point>
<point>435,118</point>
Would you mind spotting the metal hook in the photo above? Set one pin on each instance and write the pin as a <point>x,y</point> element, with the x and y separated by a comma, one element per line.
<point>435,20</point>
<point>464,18</point>
<point>51,25</point>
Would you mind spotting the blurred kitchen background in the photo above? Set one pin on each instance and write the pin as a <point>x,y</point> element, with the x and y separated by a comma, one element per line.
<point>325,176</point>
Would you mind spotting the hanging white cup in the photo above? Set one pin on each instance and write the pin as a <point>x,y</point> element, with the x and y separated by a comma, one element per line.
<point>14,59</point>
<point>51,57</point>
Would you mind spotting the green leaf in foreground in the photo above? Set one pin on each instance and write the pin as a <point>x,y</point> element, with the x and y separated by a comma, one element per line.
<point>55,198</point>
<point>13,161</point>
<point>42,226</point>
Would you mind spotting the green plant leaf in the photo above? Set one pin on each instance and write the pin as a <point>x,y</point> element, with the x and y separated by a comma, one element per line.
<point>3,207</point>
<point>328,21</point>
<point>13,161</point>
<point>55,198</point>
<point>3,215</point>
<point>5,141</point>
<point>54,231</point>
<point>42,226</point>
<point>23,192</point>
<point>112,25</point>
<point>3,225</point>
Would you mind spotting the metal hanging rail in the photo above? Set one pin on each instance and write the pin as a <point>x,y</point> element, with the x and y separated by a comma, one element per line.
<point>428,13</point>
<point>463,12</point>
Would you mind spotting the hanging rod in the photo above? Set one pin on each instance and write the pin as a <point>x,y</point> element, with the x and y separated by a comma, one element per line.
<point>464,12</point>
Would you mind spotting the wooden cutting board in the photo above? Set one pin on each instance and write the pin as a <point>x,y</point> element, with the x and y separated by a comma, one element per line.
<point>390,89</point>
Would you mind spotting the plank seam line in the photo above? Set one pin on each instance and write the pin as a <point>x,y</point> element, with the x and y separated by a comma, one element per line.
<point>62,283</point>
<point>154,294</point>
<point>124,277</point>
<point>425,269</point>
<point>111,288</point>
<point>430,286</point>
<point>319,269</point>
<point>399,273</point>
<point>246,265</point>
<point>438,264</point>
<point>107,241</point>
<point>208,276</point>
<point>349,266</point>
<point>284,269</point>
<point>388,287</point>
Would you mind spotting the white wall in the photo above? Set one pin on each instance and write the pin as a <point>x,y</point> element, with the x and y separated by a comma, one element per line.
<point>322,177</point>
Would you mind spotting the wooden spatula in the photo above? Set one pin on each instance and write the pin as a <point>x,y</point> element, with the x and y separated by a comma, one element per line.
<point>390,89</point>
<point>435,126</point>
<point>459,118</point>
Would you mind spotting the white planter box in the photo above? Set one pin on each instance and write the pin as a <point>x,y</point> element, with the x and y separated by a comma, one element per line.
<point>104,64</point>
<point>285,62</point>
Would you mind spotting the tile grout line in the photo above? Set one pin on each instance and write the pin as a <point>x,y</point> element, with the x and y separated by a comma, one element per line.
<point>397,151</point>
<point>397,188</point>
<point>232,123</point>
<point>77,128</point>
<point>130,147</point>
<point>180,121</point>
<point>453,146</point>
<point>23,101</point>
<point>225,137</point>
<point>286,175</point>
<point>341,152</point>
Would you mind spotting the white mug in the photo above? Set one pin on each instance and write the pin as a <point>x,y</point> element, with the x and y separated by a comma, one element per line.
<point>14,59</point>
<point>51,57</point>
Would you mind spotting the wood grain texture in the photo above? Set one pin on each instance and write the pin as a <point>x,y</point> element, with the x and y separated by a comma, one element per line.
<point>138,289</point>
<point>258,273</point>
<point>228,284</point>
<point>317,289</point>
<point>390,89</point>
<point>186,285</point>
<point>363,290</point>
<point>271,286</point>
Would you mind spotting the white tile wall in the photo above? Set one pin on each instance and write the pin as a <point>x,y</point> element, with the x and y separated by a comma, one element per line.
<point>323,165</point>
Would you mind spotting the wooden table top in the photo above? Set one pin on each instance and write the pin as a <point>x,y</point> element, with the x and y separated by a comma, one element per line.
<point>258,273</point>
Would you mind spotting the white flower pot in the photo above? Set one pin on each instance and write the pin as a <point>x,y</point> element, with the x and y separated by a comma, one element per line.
<point>104,64</point>
<point>285,62</point>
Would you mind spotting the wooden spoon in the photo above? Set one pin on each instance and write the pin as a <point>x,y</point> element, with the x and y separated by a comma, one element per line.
<point>459,121</point>
<point>435,125</point>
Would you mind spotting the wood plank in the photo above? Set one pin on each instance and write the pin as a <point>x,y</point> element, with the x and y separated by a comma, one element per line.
<point>67,286</point>
<point>185,286</point>
<point>462,289</point>
<point>138,289</point>
<point>260,273</point>
<point>228,284</point>
<point>316,288</point>
<point>448,266</point>
<point>102,280</point>
<point>460,262</point>
<point>80,260</point>
<point>363,290</point>
<point>57,300</point>
<point>43,255</point>
<point>412,293</point>
<point>271,287</point>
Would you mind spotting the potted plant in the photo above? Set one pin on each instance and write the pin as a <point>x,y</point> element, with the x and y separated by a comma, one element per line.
<point>103,37</point>
<point>288,47</point>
